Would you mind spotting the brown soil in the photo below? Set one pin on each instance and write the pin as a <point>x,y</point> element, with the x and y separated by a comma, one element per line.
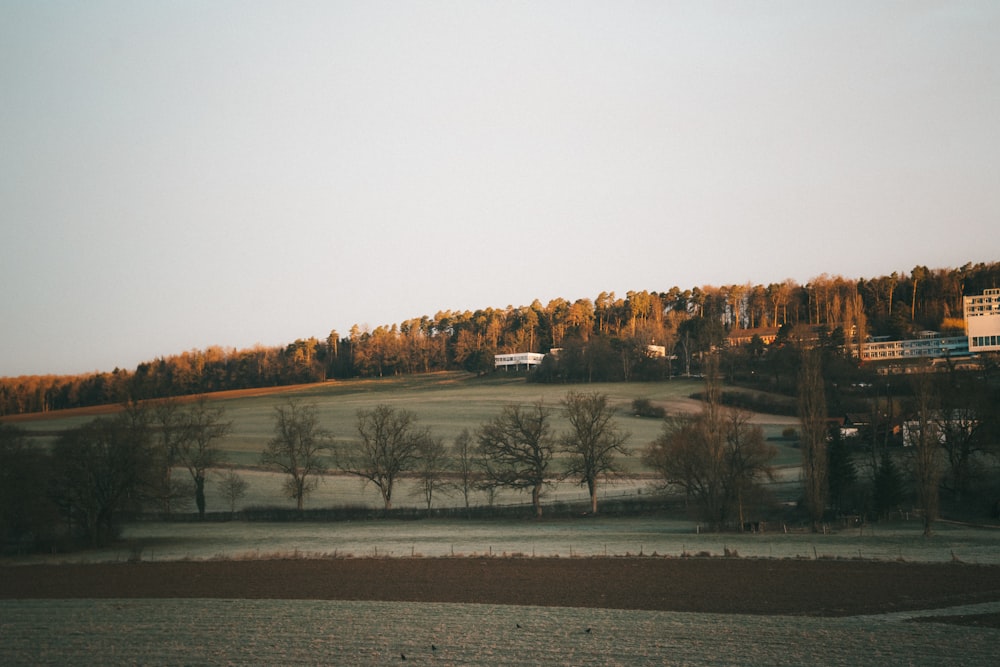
<point>711,585</point>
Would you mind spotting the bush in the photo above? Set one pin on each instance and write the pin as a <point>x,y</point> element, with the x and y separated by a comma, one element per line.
<point>643,407</point>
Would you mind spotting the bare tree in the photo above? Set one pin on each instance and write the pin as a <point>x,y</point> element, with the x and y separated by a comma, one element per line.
<point>233,487</point>
<point>517,448</point>
<point>592,441</point>
<point>390,444</point>
<point>925,440</point>
<point>464,456</point>
<point>101,469</point>
<point>965,405</point>
<point>170,492</point>
<point>813,418</point>
<point>297,449</point>
<point>430,468</point>
<point>201,427</point>
<point>717,457</point>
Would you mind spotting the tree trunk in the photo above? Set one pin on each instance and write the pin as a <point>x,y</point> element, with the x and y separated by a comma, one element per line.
<point>199,495</point>
<point>592,486</point>
<point>536,500</point>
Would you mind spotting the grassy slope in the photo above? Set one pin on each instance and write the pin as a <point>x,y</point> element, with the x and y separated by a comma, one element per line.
<point>445,402</point>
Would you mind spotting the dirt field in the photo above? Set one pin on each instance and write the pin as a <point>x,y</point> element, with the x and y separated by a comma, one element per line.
<point>710,585</point>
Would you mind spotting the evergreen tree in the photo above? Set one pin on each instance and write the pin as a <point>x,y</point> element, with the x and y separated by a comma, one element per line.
<point>841,473</point>
<point>888,486</point>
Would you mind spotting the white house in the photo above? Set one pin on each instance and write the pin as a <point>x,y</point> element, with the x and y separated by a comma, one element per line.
<point>518,360</point>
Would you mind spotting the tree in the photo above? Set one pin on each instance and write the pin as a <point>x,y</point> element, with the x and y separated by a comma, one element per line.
<point>297,449</point>
<point>26,511</point>
<point>841,473</point>
<point>101,469</point>
<point>925,442</point>
<point>201,427</point>
<point>716,456</point>
<point>888,483</point>
<point>232,487</point>
<point>464,456</point>
<point>517,448</point>
<point>167,490</point>
<point>431,466</point>
<point>965,402</point>
<point>390,444</point>
<point>813,419</point>
<point>592,441</point>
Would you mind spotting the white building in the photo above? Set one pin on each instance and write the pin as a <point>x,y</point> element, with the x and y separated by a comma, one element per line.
<point>982,321</point>
<point>930,344</point>
<point>517,361</point>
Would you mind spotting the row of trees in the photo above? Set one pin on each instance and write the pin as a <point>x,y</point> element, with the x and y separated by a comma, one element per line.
<point>604,338</point>
<point>514,450</point>
<point>128,463</point>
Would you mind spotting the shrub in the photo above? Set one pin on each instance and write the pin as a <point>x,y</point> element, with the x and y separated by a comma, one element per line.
<point>643,407</point>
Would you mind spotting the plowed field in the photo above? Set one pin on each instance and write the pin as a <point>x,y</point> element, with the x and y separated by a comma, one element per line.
<point>708,585</point>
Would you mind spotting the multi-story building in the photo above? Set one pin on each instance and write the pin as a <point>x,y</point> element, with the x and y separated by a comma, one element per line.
<point>982,321</point>
<point>982,334</point>
<point>929,344</point>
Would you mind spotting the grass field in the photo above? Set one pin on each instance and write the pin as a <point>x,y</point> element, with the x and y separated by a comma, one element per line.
<point>444,402</point>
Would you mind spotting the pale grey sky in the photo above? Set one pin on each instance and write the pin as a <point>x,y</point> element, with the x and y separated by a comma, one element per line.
<point>175,175</point>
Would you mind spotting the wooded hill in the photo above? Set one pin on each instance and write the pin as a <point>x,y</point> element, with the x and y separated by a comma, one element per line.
<point>602,339</point>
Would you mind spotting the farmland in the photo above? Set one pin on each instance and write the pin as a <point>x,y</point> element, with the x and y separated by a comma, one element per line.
<point>197,604</point>
<point>184,632</point>
<point>502,611</point>
<point>446,403</point>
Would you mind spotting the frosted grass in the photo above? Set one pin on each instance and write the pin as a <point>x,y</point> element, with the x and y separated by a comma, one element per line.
<point>565,538</point>
<point>213,632</point>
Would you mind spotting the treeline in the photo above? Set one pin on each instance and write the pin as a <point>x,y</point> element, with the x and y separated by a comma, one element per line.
<point>187,373</point>
<point>602,339</point>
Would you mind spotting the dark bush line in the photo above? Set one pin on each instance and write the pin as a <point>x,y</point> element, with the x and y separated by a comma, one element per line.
<point>614,507</point>
<point>756,402</point>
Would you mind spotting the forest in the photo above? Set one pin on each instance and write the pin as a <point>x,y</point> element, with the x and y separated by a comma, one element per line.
<point>601,339</point>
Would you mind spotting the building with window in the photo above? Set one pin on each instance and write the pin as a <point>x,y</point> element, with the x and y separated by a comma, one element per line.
<point>738,337</point>
<point>929,344</point>
<point>982,321</point>
<point>517,361</point>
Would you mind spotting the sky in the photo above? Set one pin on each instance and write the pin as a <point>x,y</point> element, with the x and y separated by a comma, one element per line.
<point>179,175</point>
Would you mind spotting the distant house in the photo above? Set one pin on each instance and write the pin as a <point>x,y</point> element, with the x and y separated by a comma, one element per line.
<point>656,351</point>
<point>518,360</point>
<point>738,337</point>
<point>941,424</point>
